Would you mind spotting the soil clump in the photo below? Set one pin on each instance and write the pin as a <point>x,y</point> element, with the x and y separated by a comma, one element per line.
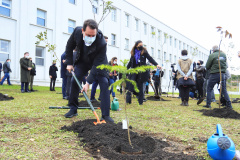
<point>4,97</point>
<point>221,113</point>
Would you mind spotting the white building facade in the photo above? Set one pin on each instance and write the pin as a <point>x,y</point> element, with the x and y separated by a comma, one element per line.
<point>22,20</point>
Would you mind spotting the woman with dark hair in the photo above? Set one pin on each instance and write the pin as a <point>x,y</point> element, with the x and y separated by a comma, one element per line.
<point>113,75</point>
<point>138,58</point>
<point>184,76</point>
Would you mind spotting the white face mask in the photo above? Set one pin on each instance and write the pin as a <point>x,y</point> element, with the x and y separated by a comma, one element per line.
<point>89,40</point>
<point>114,62</point>
<point>26,56</point>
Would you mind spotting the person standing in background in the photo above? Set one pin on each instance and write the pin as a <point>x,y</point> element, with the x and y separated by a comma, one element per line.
<point>63,75</point>
<point>25,68</point>
<point>6,70</point>
<point>32,74</point>
<point>0,70</point>
<point>113,75</point>
<point>200,71</point>
<point>53,75</point>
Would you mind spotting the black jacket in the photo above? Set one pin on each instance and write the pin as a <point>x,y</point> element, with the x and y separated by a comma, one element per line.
<point>155,77</point>
<point>33,70</point>
<point>96,53</point>
<point>142,77</point>
<point>6,67</point>
<point>53,71</point>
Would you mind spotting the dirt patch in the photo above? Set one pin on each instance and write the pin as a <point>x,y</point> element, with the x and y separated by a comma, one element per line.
<point>221,113</point>
<point>5,97</point>
<point>85,104</point>
<point>109,140</point>
<point>153,98</point>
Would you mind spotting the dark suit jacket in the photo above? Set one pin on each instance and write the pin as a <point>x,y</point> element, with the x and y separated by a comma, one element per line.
<point>63,65</point>
<point>96,54</point>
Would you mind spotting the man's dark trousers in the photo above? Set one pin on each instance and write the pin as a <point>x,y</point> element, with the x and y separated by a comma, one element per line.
<point>80,71</point>
<point>64,85</point>
<point>26,86</point>
<point>94,88</point>
<point>214,79</point>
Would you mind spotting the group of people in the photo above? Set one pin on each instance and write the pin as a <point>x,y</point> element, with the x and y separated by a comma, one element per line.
<point>87,48</point>
<point>205,78</point>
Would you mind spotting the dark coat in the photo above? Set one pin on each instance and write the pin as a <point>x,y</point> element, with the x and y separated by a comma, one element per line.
<point>33,71</point>
<point>1,67</point>
<point>63,66</point>
<point>96,53</point>
<point>53,71</point>
<point>142,77</point>
<point>157,78</point>
<point>25,63</point>
<point>6,67</point>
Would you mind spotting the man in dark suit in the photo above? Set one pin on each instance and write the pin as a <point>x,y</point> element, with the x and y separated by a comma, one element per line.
<point>63,75</point>
<point>91,52</point>
<point>0,69</point>
<point>53,75</point>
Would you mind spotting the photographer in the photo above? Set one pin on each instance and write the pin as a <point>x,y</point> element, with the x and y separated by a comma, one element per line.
<point>157,80</point>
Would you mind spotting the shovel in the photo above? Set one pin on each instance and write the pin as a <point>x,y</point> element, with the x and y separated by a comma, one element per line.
<point>87,99</point>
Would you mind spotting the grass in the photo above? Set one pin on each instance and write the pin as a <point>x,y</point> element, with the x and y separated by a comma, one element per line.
<point>29,130</point>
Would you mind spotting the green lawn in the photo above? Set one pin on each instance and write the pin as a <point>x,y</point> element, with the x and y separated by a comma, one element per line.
<point>29,130</point>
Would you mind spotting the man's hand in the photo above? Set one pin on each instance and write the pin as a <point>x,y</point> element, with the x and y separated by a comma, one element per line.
<point>29,68</point>
<point>85,88</point>
<point>69,68</point>
<point>64,61</point>
<point>185,78</point>
<point>115,74</point>
<point>50,76</point>
<point>110,74</point>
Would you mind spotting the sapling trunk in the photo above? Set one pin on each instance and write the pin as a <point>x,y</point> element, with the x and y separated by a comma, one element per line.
<point>220,72</point>
<point>124,94</point>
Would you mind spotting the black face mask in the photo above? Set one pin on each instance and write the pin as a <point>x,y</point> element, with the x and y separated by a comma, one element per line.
<point>140,47</point>
<point>198,64</point>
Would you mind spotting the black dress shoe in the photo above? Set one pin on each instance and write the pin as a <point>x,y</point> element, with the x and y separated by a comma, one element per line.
<point>22,91</point>
<point>207,106</point>
<point>200,101</point>
<point>107,119</point>
<point>71,114</point>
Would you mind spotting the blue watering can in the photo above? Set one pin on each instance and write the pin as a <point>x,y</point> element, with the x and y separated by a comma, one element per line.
<point>115,104</point>
<point>220,146</point>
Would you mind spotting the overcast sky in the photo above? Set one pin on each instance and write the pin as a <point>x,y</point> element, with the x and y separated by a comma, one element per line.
<point>198,19</point>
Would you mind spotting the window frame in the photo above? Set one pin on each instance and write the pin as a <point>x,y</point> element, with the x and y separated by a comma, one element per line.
<point>6,7</point>
<point>145,28</point>
<point>136,24</point>
<point>126,47</point>
<point>95,7</point>
<point>127,16</point>
<point>70,26</point>
<point>43,55</point>
<point>153,30</point>
<point>159,35</point>
<point>8,48</point>
<point>114,15</point>
<point>159,54</point>
<point>71,2</point>
<point>45,17</point>
<point>152,51</point>
<point>170,40</point>
<point>115,41</point>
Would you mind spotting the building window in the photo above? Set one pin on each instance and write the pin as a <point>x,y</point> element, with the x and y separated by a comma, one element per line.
<point>159,54</point>
<point>95,6</point>
<point>175,59</point>
<point>165,56</point>
<point>170,58</point>
<point>113,42</point>
<point>175,43</point>
<point>41,17</point>
<point>136,24</point>
<point>114,15</point>
<point>145,28</point>
<point>170,40</point>
<point>153,31</point>
<point>180,43</point>
<point>159,35</point>
<point>190,49</point>
<point>127,20</point>
<point>71,26</point>
<point>183,45</point>
<point>164,75</point>
<point>165,37</point>
<point>39,56</point>
<point>126,44</point>
<point>152,49</point>
<point>5,8</point>
<point>4,50</point>
<point>72,1</point>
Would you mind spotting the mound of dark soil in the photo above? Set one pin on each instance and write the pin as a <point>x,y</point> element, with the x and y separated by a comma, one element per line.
<point>153,98</point>
<point>85,104</point>
<point>111,142</point>
<point>236,100</point>
<point>4,97</point>
<point>221,113</point>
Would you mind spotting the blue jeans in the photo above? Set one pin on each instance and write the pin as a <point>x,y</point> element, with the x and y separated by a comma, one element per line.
<point>64,85</point>
<point>214,79</point>
<point>6,76</point>
<point>80,71</point>
<point>94,88</point>
<point>112,80</point>
<point>26,86</point>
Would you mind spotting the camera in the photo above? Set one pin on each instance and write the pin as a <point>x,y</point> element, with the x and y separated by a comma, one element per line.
<point>172,65</point>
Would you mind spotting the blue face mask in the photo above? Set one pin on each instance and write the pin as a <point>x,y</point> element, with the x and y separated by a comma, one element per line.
<point>9,62</point>
<point>89,40</point>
